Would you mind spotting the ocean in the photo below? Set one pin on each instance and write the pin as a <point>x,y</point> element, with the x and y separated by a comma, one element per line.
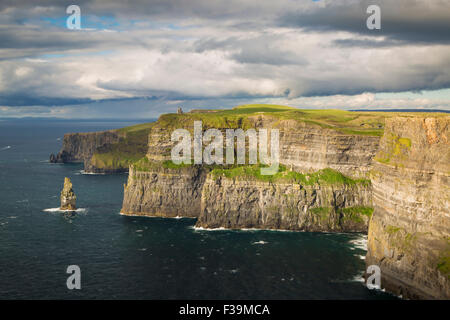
<point>122,257</point>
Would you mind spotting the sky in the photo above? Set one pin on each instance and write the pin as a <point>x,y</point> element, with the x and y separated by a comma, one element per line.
<point>139,59</point>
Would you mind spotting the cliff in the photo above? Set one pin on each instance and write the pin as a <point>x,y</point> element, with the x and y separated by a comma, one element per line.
<point>339,172</point>
<point>324,201</point>
<point>305,145</point>
<point>163,191</point>
<point>105,151</point>
<point>343,142</point>
<point>287,204</point>
<point>79,147</point>
<point>409,233</point>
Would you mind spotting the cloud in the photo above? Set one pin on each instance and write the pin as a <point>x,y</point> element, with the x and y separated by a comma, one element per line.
<point>406,21</point>
<point>201,52</point>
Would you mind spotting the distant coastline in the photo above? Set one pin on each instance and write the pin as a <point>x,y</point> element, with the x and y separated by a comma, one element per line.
<point>401,110</point>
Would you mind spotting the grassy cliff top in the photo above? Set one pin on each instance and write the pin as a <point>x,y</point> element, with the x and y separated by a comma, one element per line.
<point>325,176</point>
<point>132,146</point>
<point>134,143</point>
<point>347,122</point>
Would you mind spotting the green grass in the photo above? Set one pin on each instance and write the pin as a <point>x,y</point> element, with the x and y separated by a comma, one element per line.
<point>145,165</point>
<point>322,212</point>
<point>356,213</point>
<point>444,265</point>
<point>326,176</point>
<point>130,148</point>
<point>396,149</point>
<point>134,146</point>
<point>392,229</point>
<point>345,122</point>
<point>400,238</point>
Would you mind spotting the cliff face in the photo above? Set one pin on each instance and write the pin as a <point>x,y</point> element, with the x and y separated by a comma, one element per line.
<point>246,203</point>
<point>79,147</point>
<point>106,151</point>
<point>303,146</point>
<point>224,203</point>
<point>306,147</point>
<point>164,192</point>
<point>409,233</point>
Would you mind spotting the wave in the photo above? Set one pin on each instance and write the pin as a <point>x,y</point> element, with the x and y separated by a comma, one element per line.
<point>209,229</point>
<point>273,230</point>
<point>5,148</point>
<point>260,242</point>
<point>241,230</point>
<point>359,243</point>
<point>59,210</point>
<point>91,173</point>
<point>145,216</point>
<point>358,278</point>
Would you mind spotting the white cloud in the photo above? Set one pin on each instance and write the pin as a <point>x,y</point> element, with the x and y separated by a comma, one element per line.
<point>210,52</point>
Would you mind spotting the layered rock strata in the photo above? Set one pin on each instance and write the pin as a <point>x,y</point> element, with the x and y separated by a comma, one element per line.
<point>409,233</point>
<point>303,146</point>
<point>246,203</point>
<point>164,192</point>
<point>221,202</point>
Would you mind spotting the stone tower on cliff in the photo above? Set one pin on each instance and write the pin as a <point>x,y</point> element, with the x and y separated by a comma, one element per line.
<point>68,197</point>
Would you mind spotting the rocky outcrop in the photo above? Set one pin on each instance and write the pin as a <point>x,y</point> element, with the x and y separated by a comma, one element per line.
<point>164,192</point>
<point>409,233</point>
<point>105,152</point>
<point>79,147</point>
<point>248,203</point>
<point>68,197</point>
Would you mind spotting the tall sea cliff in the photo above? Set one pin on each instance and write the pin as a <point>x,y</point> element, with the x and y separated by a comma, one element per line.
<point>409,234</point>
<point>381,173</point>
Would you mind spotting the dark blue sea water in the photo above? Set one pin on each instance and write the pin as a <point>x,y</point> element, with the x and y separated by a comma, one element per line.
<point>145,258</point>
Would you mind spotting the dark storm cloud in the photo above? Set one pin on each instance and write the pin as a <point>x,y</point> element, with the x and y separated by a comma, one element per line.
<point>22,99</point>
<point>405,21</point>
<point>261,49</point>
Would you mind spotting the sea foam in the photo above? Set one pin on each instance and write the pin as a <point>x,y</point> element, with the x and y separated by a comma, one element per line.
<point>59,210</point>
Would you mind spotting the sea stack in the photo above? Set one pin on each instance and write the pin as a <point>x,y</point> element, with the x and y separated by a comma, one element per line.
<point>68,197</point>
